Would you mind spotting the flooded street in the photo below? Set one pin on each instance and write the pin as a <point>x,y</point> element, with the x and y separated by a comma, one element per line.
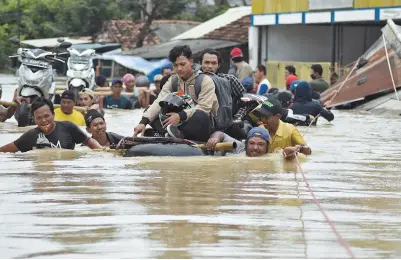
<point>84,204</point>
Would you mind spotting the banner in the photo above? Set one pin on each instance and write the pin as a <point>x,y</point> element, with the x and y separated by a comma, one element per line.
<point>330,4</point>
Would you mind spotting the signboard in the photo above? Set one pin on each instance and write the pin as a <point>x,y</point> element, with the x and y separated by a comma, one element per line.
<point>330,4</point>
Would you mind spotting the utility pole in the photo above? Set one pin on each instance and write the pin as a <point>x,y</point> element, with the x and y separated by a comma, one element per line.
<point>19,19</point>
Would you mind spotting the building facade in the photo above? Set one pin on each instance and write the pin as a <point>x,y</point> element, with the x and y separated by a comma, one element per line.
<point>325,31</point>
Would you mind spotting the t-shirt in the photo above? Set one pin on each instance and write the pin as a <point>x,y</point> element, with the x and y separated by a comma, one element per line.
<point>113,138</point>
<point>319,85</point>
<point>285,136</point>
<point>263,87</point>
<point>122,102</point>
<point>76,117</point>
<point>64,136</point>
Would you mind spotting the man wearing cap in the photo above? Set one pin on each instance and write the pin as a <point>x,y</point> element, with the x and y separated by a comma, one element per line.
<point>283,135</point>
<point>96,125</point>
<point>256,143</point>
<point>238,64</point>
<point>67,112</point>
<point>116,100</point>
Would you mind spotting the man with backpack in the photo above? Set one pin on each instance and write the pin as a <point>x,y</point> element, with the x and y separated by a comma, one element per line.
<point>211,61</point>
<point>196,123</point>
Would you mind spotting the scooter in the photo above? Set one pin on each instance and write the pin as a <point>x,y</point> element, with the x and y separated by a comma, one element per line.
<point>36,78</point>
<point>80,73</point>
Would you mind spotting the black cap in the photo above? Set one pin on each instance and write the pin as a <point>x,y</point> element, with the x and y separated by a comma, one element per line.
<point>68,94</point>
<point>269,107</point>
<point>92,115</point>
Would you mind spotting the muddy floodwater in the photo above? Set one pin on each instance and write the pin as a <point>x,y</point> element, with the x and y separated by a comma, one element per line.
<point>84,204</point>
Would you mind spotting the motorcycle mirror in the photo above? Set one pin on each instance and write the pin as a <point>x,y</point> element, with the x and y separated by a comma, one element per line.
<point>15,40</point>
<point>65,45</point>
<point>60,40</point>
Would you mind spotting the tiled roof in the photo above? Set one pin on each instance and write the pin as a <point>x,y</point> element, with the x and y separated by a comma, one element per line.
<point>125,32</point>
<point>235,31</point>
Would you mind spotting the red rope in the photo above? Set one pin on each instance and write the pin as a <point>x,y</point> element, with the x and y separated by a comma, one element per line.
<point>331,224</point>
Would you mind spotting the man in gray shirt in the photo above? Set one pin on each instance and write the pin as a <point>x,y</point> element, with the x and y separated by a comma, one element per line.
<point>318,84</point>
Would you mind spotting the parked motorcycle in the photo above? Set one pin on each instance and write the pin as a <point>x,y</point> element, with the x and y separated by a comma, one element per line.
<point>36,78</point>
<point>80,73</point>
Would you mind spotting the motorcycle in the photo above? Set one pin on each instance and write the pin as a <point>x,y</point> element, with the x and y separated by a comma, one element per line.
<point>36,78</point>
<point>80,73</point>
<point>242,122</point>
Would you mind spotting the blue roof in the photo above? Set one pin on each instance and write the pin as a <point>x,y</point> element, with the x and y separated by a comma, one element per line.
<point>149,68</point>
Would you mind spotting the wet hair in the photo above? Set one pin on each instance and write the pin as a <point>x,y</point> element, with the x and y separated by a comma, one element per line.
<point>291,69</point>
<point>261,68</point>
<point>40,102</point>
<point>180,50</point>
<point>317,68</point>
<point>212,52</point>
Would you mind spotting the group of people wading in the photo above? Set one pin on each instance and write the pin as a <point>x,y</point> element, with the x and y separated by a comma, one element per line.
<point>191,101</point>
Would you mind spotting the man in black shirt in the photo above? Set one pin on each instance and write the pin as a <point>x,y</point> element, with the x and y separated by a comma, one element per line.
<point>96,125</point>
<point>49,133</point>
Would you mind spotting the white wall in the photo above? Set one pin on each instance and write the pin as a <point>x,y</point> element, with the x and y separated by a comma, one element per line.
<point>253,44</point>
<point>312,43</point>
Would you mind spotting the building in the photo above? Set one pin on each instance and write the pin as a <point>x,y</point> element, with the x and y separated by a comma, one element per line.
<point>222,33</point>
<point>125,32</point>
<point>333,32</point>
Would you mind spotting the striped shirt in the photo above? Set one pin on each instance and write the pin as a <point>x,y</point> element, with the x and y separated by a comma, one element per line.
<point>237,90</point>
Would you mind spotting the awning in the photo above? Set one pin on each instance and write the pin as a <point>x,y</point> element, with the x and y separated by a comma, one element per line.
<point>130,62</point>
<point>98,47</point>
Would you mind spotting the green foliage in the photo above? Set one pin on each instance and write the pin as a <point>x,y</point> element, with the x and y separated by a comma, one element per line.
<point>57,18</point>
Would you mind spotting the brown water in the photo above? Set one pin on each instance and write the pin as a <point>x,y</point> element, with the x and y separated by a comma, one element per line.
<point>83,204</point>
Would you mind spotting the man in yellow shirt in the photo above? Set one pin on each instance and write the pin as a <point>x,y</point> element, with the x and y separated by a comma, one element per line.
<point>67,112</point>
<point>282,135</point>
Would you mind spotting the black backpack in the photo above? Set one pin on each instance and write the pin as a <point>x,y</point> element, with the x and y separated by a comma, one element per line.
<point>224,119</point>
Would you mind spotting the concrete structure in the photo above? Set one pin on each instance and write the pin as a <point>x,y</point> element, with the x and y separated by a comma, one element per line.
<point>336,31</point>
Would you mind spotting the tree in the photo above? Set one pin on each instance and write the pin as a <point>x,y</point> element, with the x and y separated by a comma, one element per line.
<point>152,10</point>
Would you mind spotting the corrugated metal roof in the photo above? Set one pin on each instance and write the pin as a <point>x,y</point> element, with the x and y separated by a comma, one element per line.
<point>231,15</point>
<point>163,50</point>
<point>52,42</point>
<point>96,45</point>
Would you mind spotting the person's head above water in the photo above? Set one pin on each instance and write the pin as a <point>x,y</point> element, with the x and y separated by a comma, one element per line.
<point>95,123</point>
<point>129,82</point>
<point>43,112</point>
<point>257,142</point>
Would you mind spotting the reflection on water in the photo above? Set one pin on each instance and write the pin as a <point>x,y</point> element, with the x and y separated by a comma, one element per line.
<point>66,204</point>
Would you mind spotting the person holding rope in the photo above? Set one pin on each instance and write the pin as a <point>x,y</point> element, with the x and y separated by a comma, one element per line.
<point>283,135</point>
<point>304,104</point>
